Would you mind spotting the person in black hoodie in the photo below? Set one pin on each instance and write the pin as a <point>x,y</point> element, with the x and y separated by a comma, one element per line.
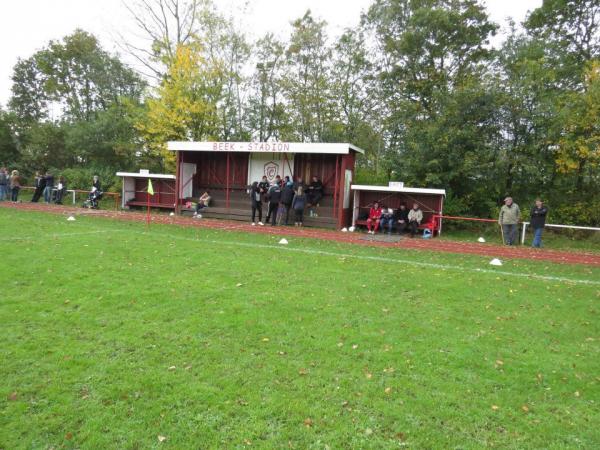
<point>314,194</point>
<point>538,221</point>
<point>287,196</point>
<point>402,218</point>
<point>255,196</point>
<point>263,187</point>
<point>274,196</point>
<point>40,184</point>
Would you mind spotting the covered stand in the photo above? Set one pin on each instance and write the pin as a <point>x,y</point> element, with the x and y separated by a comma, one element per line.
<point>431,202</point>
<point>135,189</point>
<point>227,169</point>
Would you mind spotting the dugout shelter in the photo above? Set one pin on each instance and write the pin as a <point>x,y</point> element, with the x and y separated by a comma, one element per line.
<point>227,169</point>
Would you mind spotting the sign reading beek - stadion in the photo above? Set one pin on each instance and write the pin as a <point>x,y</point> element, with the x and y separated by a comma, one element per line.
<point>261,147</point>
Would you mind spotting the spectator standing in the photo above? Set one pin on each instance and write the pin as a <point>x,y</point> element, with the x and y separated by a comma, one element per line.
<point>61,188</point>
<point>49,186</point>
<point>415,217</point>
<point>374,218</point>
<point>299,184</point>
<point>15,186</point>
<point>298,205</point>
<point>39,184</point>
<point>4,182</point>
<point>255,196</point>
<point>287,197</point>
<point>314,195</point>
<point>538,222</point>
<point>263,186</point>
<point>510,214</point>
<point>402,218</point>
<point>274,197</point>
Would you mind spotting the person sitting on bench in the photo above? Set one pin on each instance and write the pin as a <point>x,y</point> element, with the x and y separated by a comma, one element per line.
<point>402,218</point>
<point>203,202</point>
<point>415,217</point>
<point>314,195</point>
<point>374,217</point>
<point>387,219</point>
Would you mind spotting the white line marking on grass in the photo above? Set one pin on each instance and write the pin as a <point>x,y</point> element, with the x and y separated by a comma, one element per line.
<point>384,259</point>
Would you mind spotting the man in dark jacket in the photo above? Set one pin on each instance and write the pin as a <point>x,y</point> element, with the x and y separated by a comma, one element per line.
<point>263,188</point>
<point>538,221</point>
<point>40,184</point>
<point>274,197</point>
<point>314,195</point>
<point>287,196</point>
<point>402,218</point>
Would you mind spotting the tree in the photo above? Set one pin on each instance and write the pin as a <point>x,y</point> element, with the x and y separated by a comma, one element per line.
<point>579,144</point>
<point>185,107</point>
<point>167,25</point>
<point>8,142</point>
<point>75,75</point>
<point>306,83</point>
<point>267,116</point>
<point>570,30</point>
<point>432,61</point>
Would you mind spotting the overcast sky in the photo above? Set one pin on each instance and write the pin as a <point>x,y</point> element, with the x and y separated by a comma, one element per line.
<point>28,25</point>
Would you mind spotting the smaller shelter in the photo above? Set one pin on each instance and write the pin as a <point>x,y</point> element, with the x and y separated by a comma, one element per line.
<point>135,189</point>
<point>431,202</point>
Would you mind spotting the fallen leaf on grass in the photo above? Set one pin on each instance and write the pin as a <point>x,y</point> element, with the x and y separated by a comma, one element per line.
<point>525,408</point>
<point>303,372</point>
<point>355,346</point>
<point>499,362</point>
<point>161,438</point>
<point>576,394</point>
<point>388,390</point>
<point>308,422</point>
<point>495,407</point>
<point>69,436</point>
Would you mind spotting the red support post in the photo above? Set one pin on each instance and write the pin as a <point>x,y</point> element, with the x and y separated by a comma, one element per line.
<point>227,191</point>
<point>335,189</point>
<point>177,181</point>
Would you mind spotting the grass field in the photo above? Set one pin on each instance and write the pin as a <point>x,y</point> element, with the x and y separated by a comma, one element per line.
<point>115,336</point>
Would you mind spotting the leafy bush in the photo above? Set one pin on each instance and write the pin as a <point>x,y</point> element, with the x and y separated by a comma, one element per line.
<point>81,178</point>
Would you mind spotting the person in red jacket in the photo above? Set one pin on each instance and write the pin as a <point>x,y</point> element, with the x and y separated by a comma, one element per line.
<point>374,218</point>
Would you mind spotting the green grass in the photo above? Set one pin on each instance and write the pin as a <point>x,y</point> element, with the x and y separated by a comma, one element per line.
<point>555,239</point>
<point>113,335</point>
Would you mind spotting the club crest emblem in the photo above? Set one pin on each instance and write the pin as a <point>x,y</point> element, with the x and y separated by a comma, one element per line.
<point>271,170</point>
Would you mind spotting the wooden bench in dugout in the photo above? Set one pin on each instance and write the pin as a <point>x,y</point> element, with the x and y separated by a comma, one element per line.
<point>432,224</point>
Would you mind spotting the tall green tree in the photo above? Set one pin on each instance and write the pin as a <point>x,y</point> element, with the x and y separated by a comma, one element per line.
<point>432,58</point>
<point>307,80</point>
<point>185,105</point>
<point>267,115</point>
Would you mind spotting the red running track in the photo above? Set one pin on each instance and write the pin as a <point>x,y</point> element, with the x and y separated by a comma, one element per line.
<point>436,245</point>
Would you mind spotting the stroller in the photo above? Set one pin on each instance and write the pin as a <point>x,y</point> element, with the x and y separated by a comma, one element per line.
<point>93,197</point>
